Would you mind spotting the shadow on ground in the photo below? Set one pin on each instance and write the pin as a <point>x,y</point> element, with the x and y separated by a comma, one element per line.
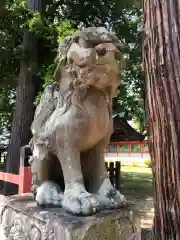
<point>137,183</point>
<point>137,187</point>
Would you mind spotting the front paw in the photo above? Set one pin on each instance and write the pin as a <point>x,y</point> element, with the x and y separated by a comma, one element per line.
<point>49,194</point>
<point>109,197</point>
<point>78,201</point>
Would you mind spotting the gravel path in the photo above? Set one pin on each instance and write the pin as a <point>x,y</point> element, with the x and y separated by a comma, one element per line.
<point>146,208</point>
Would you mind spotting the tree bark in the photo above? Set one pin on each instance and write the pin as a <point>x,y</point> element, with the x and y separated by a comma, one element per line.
<point>25,96</point>
<point>162,67</point>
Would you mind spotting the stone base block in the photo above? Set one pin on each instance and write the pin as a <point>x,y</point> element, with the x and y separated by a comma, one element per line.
<point>21,219</point>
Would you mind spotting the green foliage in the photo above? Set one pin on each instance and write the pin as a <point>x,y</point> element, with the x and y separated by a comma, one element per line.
<point>11,35</point>
<point>148,163</point>
<point>131,91</point>
<point>58,21</point>
<point>123,148</point>
<point>6,110</point>
<point>35,23</point>
<point>136,148</point>
<point>64,29</point>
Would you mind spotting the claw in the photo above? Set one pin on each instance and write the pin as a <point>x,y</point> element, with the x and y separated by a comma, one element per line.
<point>78,201</point>
<point>109,197</point>
<point>49,193</point>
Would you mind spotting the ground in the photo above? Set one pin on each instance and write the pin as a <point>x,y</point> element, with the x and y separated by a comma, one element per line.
<point>137,186</point>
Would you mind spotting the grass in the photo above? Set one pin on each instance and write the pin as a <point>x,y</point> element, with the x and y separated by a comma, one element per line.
<point>137,169</point>
<point>137,182</point>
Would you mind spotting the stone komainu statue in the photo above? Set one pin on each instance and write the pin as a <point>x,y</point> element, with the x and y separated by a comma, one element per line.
<point>73,124</point>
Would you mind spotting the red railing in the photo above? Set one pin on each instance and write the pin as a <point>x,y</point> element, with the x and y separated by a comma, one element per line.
<point>24,178</point>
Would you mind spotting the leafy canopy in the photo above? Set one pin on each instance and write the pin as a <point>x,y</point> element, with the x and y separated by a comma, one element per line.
<point>60,19</point>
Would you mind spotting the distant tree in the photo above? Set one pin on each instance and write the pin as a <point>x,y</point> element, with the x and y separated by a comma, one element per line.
<point>26,92</point>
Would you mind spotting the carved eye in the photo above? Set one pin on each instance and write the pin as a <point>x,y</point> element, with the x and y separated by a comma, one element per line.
<point>101,51</point>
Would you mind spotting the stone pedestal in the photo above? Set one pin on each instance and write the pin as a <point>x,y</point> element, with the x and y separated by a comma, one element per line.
<point>21,219</point>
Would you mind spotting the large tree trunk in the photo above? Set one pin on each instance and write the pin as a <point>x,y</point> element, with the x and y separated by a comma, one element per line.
<point>162,67</point>
<point>25,96</point>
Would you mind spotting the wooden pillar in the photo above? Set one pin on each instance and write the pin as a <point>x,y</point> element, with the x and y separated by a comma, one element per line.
<point>25,175</point>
